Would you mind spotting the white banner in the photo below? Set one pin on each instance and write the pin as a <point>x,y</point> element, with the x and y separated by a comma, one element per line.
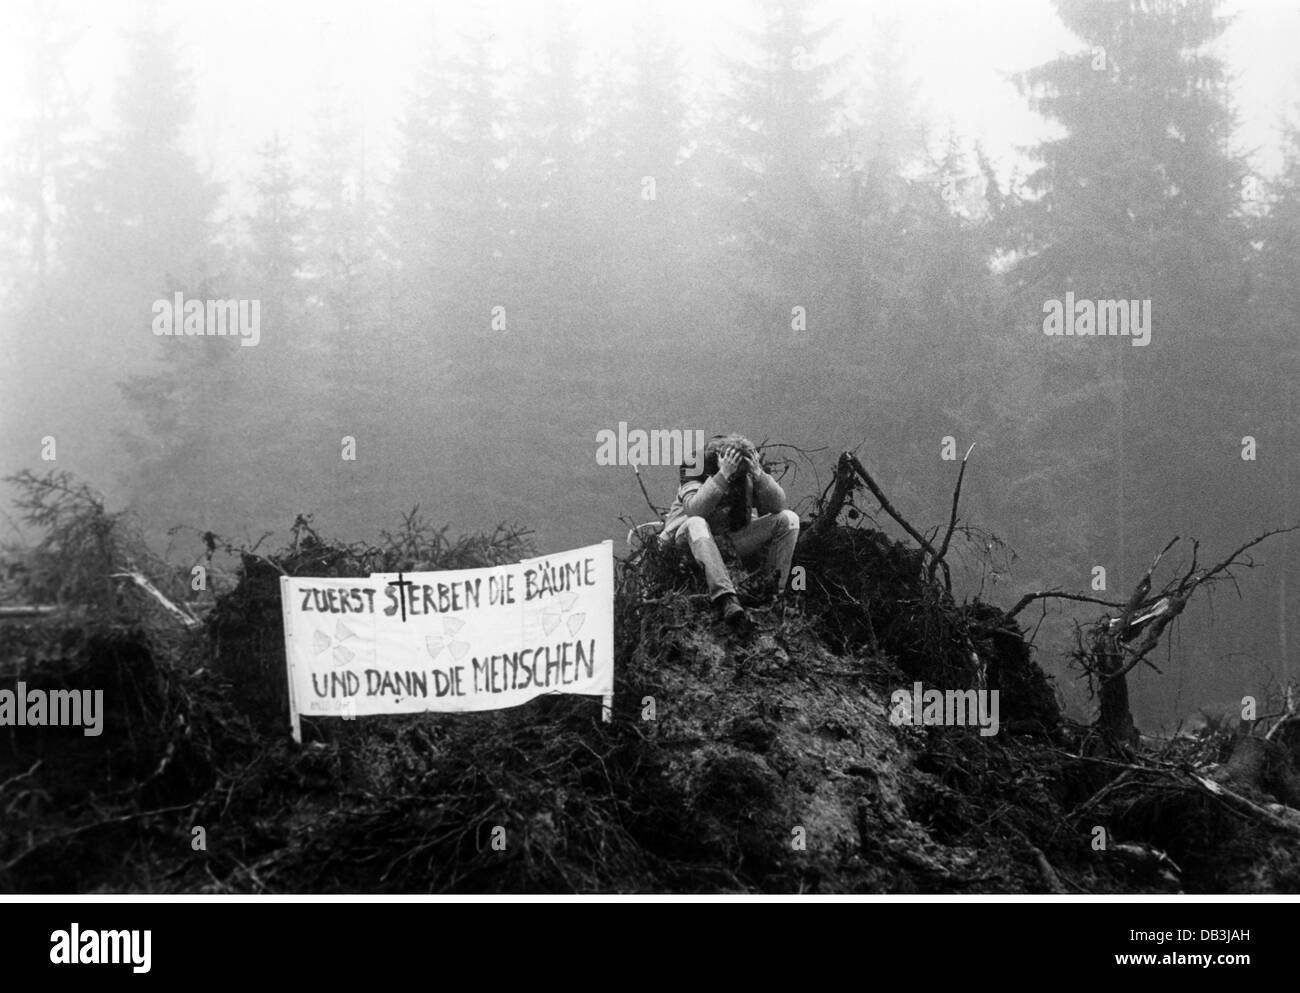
<point>469,639</point>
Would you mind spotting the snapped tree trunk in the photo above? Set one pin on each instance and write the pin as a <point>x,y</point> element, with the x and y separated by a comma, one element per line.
<point>1114,715</point>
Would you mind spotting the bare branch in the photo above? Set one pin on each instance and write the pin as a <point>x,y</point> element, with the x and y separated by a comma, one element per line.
<point>1029,598</point>
<point>645,493</point>
<point>1228,562</point>
<point>888,507</point>
<point>952,521</point>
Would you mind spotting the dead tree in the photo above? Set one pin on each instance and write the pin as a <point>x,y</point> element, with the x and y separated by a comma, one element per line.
<point>1115,645</point>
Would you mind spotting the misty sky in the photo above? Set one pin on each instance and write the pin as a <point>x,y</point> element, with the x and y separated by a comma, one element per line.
<point>263,65</point>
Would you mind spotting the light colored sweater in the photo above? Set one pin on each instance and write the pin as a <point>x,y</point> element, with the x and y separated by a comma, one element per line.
<point>705,499</point>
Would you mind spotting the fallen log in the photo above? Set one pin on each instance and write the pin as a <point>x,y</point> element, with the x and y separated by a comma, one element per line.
<point>1261,766</point>
<point>1284,818</point>
<point>176,613</point>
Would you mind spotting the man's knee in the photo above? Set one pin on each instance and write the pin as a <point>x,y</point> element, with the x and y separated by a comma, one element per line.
<point>697,529</point>
<point>787,520</point>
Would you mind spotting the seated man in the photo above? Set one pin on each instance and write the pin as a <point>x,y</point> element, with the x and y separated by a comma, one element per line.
<point>731,497</point>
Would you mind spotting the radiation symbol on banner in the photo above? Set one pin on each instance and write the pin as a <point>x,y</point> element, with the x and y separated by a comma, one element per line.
<point>322,642</point>
<point>552,616</point>
<point>450,628</point>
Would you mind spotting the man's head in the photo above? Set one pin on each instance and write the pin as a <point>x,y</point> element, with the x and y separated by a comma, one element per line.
<point>716,445</point>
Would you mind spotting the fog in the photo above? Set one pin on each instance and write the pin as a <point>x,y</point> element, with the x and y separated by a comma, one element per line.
<point>466,239</point>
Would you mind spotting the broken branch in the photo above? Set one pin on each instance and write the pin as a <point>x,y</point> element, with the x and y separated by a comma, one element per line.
<point>840,488</point>
<point>952,521</point>
<point>888,508</point>
<point>1029,598</point>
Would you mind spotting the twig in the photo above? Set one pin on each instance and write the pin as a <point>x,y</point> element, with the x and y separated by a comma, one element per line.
<point>952,521</point>
<point>27,610</point>
<point>675,598</point>
<point>1250,544</point>
<point>645,493</point>
<point>1151,764</point>
<point>262,558</point>
<point>22,775</point>
<point>252,874</point>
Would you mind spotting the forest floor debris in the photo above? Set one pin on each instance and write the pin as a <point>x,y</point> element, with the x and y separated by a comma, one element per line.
<point>762,762</point>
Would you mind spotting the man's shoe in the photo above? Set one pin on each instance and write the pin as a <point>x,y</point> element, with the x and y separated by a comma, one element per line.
<point>732,612</point>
